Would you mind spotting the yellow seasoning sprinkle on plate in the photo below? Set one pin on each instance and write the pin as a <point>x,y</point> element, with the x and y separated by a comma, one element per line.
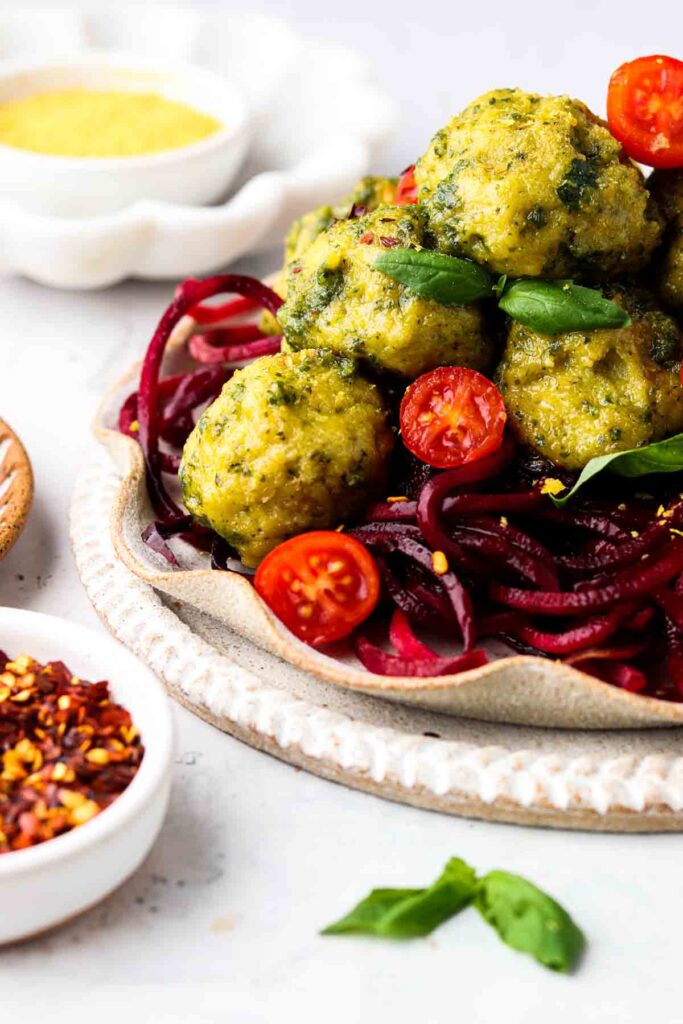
<point>552,486</point>
<point>439,563</point>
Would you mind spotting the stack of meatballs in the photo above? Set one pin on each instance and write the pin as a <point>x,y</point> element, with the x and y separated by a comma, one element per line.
<point>524,185</point>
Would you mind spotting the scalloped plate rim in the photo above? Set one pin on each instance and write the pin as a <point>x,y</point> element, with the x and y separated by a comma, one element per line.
<point>493,775</point>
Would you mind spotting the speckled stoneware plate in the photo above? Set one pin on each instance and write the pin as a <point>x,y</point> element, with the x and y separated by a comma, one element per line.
<point>16,487</point>
<point>521,690</point>
<point>616,781</point>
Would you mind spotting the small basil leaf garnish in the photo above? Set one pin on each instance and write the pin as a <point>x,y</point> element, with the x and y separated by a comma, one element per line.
<point>500,285</point>
<point>408,913</point>
<point>661,457</point>
<point>433,275</point>
<point>529,920</point>
<point>552,307</point>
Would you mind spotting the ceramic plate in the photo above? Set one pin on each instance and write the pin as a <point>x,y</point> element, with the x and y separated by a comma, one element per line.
<point>524,690</point>
<point>626,781</point>
<point>321,121</point>
<point>16,487</point>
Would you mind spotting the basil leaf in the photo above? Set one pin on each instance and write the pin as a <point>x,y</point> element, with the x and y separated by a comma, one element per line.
<point>661,457</point>
<point>529,920</point>
<point>499,287</point>
<point>432,275</point>
<point>408,913</point>
<point>552,307</point>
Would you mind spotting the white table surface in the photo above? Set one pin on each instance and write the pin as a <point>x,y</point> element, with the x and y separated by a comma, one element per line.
<point>220,923</point>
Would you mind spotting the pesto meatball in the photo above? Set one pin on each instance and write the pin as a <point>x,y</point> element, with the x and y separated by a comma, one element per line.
<point>536,186</point>
<point>579,395</point>
<point>337,300</point>
<point>667,188</point>
<point>295,442</point>
<point>368,194</point>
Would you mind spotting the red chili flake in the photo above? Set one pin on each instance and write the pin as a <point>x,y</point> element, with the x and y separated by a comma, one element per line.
<point>297,269</point>
<point>66,751</point>
<point>388,243</point>
<point>367,239</point>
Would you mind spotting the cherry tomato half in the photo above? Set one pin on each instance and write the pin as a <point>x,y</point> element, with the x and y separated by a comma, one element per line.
<point>320,584</point>
<point>406,190</point>
<point>645,110</point>
<point>451,416</point>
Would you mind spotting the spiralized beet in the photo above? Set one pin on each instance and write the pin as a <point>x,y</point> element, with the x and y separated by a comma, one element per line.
<point>601,524</point>
<point>152,537</point>
<point>221,312</point>
<point>607,663</point>
<point>404,641</point>
<point>225,346</point>
<point>672,603</point>
<point>193,389</point>
<point>128,413</point>
<point>494,546</point>
<point>521,502</point>
<point>398,539</point>
<point>674,656</point>
<point>629,550</point>
<point>462,504</point>
<point>190,296</point>
<point>428,607</point>
<point>615,652</point>
<point>618,673</point>
<point>478,551</point>
<point>169,463</point>
<point>589,633</point>
<point>378,661</point>
<point>512,535</point>
<point>631,582</point>
<point>392,512</point>
<point>498,623</point>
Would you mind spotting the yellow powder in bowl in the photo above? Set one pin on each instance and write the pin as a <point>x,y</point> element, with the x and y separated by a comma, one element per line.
<point>85,123</point>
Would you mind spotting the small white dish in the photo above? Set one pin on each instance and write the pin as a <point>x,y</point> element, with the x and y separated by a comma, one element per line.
<point>48,884</point>
<point>320,123</point>
<point>195,174</point>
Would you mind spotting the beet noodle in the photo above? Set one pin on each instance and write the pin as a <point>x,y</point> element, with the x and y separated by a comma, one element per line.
<point>148,391</point>
<point>468,554</point>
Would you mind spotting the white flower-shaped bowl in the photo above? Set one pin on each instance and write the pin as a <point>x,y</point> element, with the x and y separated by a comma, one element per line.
<point>85,186</point>
<point>47,884</point>
<point>319,122</point>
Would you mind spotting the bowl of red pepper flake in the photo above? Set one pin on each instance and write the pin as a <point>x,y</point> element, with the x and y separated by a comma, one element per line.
<point>85,769</point>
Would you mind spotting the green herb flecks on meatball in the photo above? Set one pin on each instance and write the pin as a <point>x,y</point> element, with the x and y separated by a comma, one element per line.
<point>536,186</point>
<point>295,442</point>
<point>368,194</point>
<point>575,396</point>
<point>337,300</point>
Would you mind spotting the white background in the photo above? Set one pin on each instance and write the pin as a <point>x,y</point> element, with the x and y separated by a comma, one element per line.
<point>221,922</point>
